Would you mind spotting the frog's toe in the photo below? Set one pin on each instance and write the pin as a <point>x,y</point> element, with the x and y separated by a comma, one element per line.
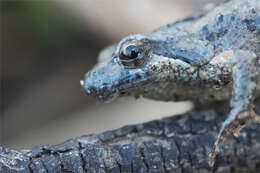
<point>237,130</point>
<point>233,124</point>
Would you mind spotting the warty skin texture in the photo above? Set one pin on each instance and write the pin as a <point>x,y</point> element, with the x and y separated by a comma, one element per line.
<point>205,59</point>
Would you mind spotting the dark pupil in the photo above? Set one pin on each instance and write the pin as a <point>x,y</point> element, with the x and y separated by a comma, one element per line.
<point>131,51</point>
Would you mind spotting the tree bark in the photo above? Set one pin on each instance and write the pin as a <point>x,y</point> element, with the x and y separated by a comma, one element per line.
<point>175,144</point>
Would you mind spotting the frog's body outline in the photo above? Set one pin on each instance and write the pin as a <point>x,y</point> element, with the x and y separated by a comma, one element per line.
<point>205,59</point>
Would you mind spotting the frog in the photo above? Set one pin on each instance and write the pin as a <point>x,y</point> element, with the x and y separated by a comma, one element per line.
<point>210,58</point>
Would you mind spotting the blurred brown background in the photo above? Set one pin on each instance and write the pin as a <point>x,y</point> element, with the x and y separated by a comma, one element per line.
<point>45,49</point>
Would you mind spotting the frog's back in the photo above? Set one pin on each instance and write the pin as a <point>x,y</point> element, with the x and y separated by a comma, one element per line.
<point>233,27</point>
<point>237,22</point>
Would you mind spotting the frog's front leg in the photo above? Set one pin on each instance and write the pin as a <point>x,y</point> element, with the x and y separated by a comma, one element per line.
<point>244,75</point>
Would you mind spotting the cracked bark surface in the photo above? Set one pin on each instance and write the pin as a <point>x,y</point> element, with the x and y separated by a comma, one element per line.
<point>175,144</point>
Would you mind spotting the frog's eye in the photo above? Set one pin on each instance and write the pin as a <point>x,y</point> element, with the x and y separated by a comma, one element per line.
<point>131,55</point>
<point>129,52</point>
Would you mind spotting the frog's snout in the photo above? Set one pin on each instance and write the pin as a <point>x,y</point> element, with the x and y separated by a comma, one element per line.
<point>89,90</point>
<point>88,84</point>
<point>108,81</point>
<point>95,84</point>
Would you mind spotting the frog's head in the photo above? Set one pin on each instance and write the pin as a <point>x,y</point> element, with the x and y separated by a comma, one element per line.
<point>121,68</point>
<point>130,67</point>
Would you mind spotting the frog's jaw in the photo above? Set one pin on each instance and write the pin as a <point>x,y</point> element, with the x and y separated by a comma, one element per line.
<point>110,80</point>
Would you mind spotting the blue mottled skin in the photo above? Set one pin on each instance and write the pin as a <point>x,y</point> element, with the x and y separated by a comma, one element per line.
<point>210,58</point>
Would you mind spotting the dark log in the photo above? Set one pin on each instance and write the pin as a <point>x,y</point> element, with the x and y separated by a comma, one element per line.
<point>175,144</point>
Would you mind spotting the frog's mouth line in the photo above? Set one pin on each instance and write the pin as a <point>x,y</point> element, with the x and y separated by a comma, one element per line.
<point>108,94</point>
